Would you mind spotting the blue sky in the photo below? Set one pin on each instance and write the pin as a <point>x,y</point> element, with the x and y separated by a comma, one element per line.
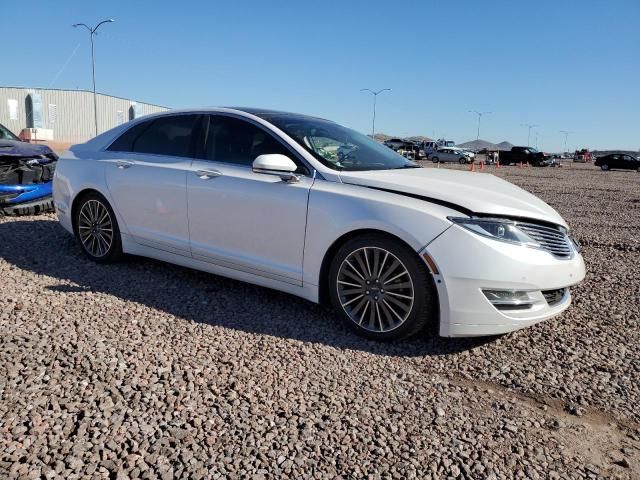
<point>563,65</point>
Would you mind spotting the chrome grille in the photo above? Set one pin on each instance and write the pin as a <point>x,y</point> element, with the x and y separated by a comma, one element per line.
<point>553,240</point>
<point>553,297</point>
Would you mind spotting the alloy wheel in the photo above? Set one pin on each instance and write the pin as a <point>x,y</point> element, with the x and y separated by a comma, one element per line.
<point>95,228</point>
<point>375,289</point>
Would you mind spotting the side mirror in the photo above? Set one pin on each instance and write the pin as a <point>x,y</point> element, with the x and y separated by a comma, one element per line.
<point>276,164</point>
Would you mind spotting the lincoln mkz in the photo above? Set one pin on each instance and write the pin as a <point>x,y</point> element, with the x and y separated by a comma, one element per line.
<point>303,205</point>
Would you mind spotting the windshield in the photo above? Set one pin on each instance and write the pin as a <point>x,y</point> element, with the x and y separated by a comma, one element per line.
<point>5,134</point>
<point>338,147</point>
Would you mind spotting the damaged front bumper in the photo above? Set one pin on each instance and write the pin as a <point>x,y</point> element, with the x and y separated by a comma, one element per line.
<point>26,199</point>
<point>26,178</point>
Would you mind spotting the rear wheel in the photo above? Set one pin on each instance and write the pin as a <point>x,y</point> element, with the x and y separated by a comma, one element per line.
<point>381,289</point>
<point>604,167</point>
<point>435,159</point>
<point>97,229</point>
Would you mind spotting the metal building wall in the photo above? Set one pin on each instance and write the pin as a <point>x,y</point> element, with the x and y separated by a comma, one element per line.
<point>73,122</point>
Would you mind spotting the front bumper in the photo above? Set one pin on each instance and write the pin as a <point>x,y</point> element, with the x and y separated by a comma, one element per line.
<point>467,264</point>
<point>16,194</point>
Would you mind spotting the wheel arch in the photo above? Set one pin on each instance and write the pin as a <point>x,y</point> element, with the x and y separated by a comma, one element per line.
<point>75,203</point>
<point>323,293</point>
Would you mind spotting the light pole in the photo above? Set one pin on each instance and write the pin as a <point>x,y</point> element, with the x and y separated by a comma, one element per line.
<point>480,114</point>
<point>375,97</point>
<point>537,135</point>
<point>529,126</point>
<point>566,133</point>
<point>92,32</point>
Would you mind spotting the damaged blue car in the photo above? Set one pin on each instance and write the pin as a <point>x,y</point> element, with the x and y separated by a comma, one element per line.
<point>26,174</point>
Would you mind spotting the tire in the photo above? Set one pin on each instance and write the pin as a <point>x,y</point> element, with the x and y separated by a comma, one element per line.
<point>604,167</point>
<point>93,222</point>
<point>462,160</point>
<point>435,160</point>
<point>405,308</point>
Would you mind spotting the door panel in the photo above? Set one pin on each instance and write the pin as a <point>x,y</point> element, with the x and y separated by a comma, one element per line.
<point>149,194</point>
<point>248,221</point>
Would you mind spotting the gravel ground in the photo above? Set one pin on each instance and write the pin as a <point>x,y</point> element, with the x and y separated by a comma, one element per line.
<point>146,370</point>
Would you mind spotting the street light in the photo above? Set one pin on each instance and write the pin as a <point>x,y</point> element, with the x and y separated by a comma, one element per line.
<point>566,134</point>
<point>92,32</point>
<point>480,114</point>
<point>529,126</point>
<point>375,97</point>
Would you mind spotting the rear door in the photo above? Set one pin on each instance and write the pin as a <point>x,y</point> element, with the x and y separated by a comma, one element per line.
<point>247,221</point>
<point>147,175</point>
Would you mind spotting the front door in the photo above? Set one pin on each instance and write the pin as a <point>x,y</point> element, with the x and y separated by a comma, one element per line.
<point>239,219</point>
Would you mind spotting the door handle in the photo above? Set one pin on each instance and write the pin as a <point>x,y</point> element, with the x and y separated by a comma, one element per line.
<point>208,174</point>
<point>121,164</point>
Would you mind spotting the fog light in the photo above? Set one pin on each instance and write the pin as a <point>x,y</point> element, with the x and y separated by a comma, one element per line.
<point>510,299</point>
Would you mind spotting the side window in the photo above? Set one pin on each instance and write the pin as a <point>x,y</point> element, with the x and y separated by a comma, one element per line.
<point>232,140</point>
<point>124,143</point>
<point>173,135</point>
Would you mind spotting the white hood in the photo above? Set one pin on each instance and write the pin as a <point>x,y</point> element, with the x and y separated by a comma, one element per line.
<point>478,192</point>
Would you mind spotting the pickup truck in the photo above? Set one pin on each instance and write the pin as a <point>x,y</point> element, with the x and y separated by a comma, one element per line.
<point>525,155</point>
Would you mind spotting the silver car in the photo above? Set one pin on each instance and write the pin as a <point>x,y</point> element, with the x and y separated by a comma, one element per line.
<point>447,154</point>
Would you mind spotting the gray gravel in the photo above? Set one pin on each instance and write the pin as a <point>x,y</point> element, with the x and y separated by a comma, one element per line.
<point>146,370</point>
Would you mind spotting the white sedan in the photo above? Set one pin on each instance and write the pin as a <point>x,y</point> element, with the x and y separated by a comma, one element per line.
<point>448,154</point>
<point>309,207</point>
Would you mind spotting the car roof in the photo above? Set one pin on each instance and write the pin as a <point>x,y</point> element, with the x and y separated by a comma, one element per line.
<point>266,113</point>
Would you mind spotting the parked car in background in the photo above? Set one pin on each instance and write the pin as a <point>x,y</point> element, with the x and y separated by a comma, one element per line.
<point>450,154</point>
<point>524,155</point>
<point>26,174</point>
<point>262,196</point>
<point>621,161</point>
<point>394,143</point>
<point>582,156</point>
<point>406,148</point>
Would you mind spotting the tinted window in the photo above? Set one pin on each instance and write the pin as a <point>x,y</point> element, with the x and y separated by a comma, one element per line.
<point>232,140</point>
<point>168,136</point>
<point>124,143</point>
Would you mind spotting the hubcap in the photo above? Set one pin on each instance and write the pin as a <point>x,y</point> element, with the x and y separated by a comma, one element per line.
<point>375,289</point>
<point>95,228</point>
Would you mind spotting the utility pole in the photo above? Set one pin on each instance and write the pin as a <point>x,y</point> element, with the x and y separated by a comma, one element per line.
<point>375,97</point>
<point>93,31</point>
<point>566,133</point>
<point>529,126</point>
<point>480,114</point>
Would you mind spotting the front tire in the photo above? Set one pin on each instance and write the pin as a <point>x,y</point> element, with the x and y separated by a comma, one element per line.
<point>97,230</point>
<point>381,288</point>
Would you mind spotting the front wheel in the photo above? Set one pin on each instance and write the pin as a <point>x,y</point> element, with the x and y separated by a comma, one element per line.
<point>381,288</point>
<point>604,167</point>
<point>462,160</point>
<point>97,229</point>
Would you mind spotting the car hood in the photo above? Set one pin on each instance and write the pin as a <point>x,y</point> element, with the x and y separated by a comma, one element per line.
<point>13,148</point>
<point>480,193</point>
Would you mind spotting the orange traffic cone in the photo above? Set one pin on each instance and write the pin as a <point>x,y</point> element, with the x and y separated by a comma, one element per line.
<point>498,164</point>
<point>471,169</point>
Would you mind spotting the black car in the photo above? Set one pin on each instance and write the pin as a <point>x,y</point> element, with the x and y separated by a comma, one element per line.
<point>618,160</point>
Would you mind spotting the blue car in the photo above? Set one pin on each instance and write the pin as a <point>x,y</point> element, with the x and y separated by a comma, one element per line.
<point>26,174</point>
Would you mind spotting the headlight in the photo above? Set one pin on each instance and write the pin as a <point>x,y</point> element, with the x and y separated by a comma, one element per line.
<point>498,229</point>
